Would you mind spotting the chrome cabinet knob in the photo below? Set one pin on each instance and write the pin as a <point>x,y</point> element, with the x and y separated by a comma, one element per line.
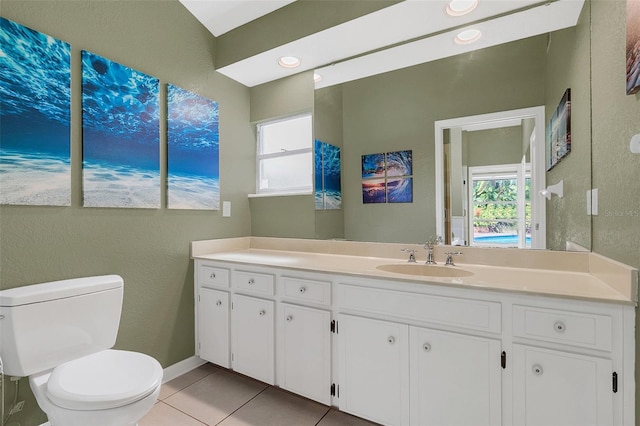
<point>391,340</point>
<point>426,347</point>
<point>559,326</point>
<point>213,275</point>
<point>537,369</point>
<point>219,303</point>
<point>302,290</point>
<point>262,313</point>
<point>289,318</point>
<point>251,281</point>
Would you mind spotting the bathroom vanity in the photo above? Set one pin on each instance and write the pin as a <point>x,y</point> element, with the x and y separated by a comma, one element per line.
<point>547,340</point>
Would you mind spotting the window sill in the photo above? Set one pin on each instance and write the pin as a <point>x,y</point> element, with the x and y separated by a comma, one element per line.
<point>279,194</point>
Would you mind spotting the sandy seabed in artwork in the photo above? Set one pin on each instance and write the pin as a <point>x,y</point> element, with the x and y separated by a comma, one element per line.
<point>120,186</point>
<point>34,179</point>
<point>194,193</point>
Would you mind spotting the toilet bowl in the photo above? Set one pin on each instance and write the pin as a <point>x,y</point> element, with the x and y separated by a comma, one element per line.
<point>106,388</point>
<point>60,335</point>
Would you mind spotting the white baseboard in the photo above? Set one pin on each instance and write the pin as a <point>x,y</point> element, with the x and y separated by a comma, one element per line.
<point>181,367</point>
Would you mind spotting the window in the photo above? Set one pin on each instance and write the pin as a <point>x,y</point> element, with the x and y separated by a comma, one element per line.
<point>284,157</point>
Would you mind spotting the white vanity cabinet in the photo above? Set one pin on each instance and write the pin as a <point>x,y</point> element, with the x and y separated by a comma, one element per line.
<point>304,329</point>
<point>400,352</point>
<point>455,378</point>
<point>252,341</point>
<point>564,371</point>
<point>374,369</point>
<point>213,326</point>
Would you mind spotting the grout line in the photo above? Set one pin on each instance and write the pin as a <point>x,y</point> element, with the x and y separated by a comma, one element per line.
<point>248,401</point>
<point>185,413</point>
<point>323,416</point>
<point>190,384</point>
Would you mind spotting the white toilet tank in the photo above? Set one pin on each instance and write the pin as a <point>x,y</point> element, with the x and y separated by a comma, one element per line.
<point>44,325</point>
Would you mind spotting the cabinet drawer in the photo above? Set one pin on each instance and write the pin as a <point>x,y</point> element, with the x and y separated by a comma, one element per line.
<point>566,327</point>
<point>307,290</point>
<point>471,314</point>
<point>212,276</point>
<point>254,282</point>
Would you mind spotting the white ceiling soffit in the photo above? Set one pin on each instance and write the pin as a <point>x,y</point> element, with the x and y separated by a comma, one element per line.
<point>517,26</point>
<point>221,16</point>
<point>395,24</point>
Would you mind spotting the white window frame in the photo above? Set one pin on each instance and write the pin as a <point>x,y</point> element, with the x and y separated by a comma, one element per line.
<point>285,153</point>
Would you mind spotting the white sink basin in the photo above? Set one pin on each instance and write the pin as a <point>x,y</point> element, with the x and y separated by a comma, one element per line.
<point>425,270</point>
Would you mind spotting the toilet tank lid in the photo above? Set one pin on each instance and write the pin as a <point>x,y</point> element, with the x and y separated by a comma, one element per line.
<point>58,290</point>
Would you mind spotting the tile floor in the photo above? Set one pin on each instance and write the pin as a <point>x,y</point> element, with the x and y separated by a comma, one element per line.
<point>209,395</point>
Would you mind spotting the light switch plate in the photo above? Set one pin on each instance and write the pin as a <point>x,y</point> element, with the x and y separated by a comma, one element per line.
<point>226,209</point>
<point>592,202</point>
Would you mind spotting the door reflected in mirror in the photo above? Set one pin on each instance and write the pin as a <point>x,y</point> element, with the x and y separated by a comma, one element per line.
<point>488,169</point>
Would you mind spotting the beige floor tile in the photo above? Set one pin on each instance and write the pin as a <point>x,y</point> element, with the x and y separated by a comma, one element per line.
<point>164,415</point>
<point>278,408</point>
<point>216,396</point>
<point>338,418</point>
<point>185,380</point>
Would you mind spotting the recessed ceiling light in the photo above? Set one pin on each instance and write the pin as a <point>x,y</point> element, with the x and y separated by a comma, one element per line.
<point>317,78</point>
<point>467,36</point>
<point>289,62</point>
<point>461,7</point>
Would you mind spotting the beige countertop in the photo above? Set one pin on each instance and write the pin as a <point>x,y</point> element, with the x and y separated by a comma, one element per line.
<point>595,279</point>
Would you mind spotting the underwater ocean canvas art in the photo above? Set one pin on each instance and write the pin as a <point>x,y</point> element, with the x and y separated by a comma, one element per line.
<point>35,117</point>
<point>328,187</point>
<point>120,135</point>
<point>193,151</point>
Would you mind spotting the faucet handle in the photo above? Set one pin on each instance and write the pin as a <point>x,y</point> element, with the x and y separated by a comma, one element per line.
<point>412,254</point>
<point>450,254</point>
<point>434,240</point>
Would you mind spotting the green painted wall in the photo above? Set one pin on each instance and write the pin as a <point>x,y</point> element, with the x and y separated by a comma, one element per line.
<point>289,216</point>
<point>568,58</point>
<point>615,170</point>
<point>327,127</point>
<point>148,248</point>
<point>397,111</point>
<point>492,146</point>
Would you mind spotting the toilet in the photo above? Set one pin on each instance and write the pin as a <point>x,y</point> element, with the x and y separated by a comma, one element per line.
<point>60,335</point>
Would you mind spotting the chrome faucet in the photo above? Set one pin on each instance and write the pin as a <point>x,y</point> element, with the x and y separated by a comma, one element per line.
<point>428,245</point>
<point>450,254</point>
<point>412,255</point>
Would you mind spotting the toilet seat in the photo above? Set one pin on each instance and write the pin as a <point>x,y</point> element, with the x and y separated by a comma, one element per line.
<point>103,380</point>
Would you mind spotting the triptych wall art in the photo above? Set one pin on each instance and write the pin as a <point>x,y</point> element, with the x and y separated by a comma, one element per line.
<point>387,177</point>
<point>328,191</point>
<point>35,117</point>
<point>120,131</point>
<point>193,175</point>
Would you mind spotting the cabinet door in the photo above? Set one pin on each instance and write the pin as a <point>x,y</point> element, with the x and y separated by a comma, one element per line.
<point>455,379</point>
<point>252,337</point>
<point>213,326</point>
<point>374,369</point>
<point>560,388</point>
<point>306,352</point>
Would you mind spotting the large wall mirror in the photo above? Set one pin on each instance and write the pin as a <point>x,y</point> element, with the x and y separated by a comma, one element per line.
<point>416,109</point>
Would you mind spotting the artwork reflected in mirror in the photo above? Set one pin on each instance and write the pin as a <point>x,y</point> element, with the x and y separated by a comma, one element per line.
<point>633,47</point>
<point>387,177</point>
<point>559,132</point>
<point>328,183</point>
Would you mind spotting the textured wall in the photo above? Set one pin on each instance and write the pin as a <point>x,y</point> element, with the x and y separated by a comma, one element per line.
<point>615,170</point>
<point>568,67</point>
<point>149,248</point>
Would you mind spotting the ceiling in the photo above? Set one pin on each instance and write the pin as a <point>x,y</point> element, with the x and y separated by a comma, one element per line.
<point>403,34</point>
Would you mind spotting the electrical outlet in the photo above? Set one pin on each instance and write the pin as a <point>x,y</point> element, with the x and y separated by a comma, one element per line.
<point>16,408</point>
